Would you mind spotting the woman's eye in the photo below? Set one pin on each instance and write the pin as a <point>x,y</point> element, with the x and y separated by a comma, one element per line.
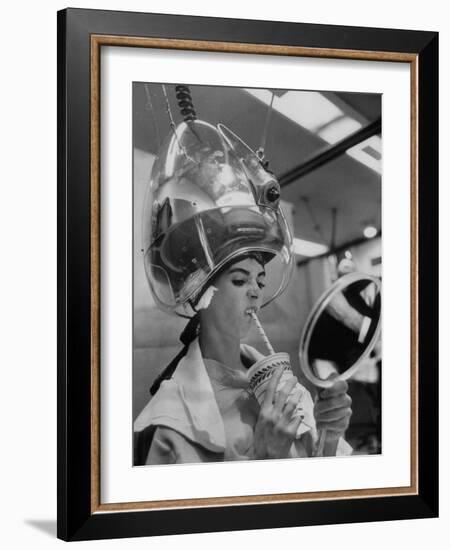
<point>238,282</point>
<point>261,285</point>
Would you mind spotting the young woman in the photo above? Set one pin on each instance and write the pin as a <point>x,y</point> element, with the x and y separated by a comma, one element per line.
<point>217,247</point>
<point>206,412</point>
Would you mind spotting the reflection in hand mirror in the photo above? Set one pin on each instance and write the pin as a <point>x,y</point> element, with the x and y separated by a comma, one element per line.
<point>342,328</point>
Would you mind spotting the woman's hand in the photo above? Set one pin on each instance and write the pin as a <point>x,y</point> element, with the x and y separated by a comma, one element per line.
<point>332,412</point>
<point>275,428</point>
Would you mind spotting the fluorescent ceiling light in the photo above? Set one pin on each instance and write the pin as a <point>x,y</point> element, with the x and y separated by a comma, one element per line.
<point>308,109</point>
<point>316,113</point>
<point>368,152</point>
<point>309,248</point>
<point>370,231</point>
<point>339,129</point>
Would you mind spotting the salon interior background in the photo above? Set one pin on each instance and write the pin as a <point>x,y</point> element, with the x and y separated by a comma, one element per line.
<point>325,149</point>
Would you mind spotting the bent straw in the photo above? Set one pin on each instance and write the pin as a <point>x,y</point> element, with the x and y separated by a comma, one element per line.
<point>263,334</point>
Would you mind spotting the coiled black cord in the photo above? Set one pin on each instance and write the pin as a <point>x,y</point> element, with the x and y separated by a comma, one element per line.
<point>184,99</point>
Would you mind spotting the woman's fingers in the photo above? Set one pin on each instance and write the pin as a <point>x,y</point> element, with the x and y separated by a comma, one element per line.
<point>338,388</point>
<point>336,402</point>
<point>289,409</point>
<point>278,421</point>
<point>291,423</point>
<point>283,394</point>
<point>336,426</point>
<point>333,408</point>
<point>271,388</point>
<point>334,415</point>
<point>296,421</point>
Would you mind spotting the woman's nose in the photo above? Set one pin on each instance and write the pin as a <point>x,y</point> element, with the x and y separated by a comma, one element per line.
<point>254,290</point>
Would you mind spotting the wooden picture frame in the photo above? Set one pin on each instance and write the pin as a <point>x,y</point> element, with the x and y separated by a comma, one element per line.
<point>81,36</point>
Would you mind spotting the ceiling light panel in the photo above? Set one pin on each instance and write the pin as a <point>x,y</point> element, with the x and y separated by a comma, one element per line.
<point>368,152</point>
<point>339,129</point>
<point>311,110</point>
<point>318,114</point>
<point>309,248</point>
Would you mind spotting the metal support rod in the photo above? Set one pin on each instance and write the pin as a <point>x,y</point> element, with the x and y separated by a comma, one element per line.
<point>333,227</point>
<point>331,153</point>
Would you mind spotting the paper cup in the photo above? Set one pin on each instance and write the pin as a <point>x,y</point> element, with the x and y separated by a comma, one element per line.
<point>261,372</point>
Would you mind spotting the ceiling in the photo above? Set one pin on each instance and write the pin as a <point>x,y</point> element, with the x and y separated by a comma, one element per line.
<point>344,183</point>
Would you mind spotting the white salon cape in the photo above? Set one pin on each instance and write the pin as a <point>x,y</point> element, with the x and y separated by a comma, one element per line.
<point>205,413</point>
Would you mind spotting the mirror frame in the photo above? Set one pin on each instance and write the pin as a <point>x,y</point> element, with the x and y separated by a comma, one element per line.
<point>338,286</point>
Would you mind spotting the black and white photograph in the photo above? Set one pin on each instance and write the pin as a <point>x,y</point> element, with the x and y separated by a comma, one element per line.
<point>225,270</point>
<point>257,273</point>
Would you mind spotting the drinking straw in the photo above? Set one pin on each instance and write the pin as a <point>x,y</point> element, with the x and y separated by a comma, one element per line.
<point>263,334</point>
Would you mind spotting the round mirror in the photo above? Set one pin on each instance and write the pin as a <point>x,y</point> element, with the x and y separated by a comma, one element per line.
<point>342,329</point>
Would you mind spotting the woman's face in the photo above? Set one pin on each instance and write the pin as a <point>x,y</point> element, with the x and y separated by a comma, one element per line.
<point>240,289</point>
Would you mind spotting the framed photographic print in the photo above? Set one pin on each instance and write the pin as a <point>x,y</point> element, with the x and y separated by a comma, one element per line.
<point>247,255</point>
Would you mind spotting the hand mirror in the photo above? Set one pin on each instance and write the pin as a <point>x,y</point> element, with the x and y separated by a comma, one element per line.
<point>341,329</point>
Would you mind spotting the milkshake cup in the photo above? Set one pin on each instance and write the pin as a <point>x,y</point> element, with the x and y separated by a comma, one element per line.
<point>261,372</point>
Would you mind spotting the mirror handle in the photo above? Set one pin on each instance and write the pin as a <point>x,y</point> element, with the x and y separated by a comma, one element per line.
<point>321,443</point>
